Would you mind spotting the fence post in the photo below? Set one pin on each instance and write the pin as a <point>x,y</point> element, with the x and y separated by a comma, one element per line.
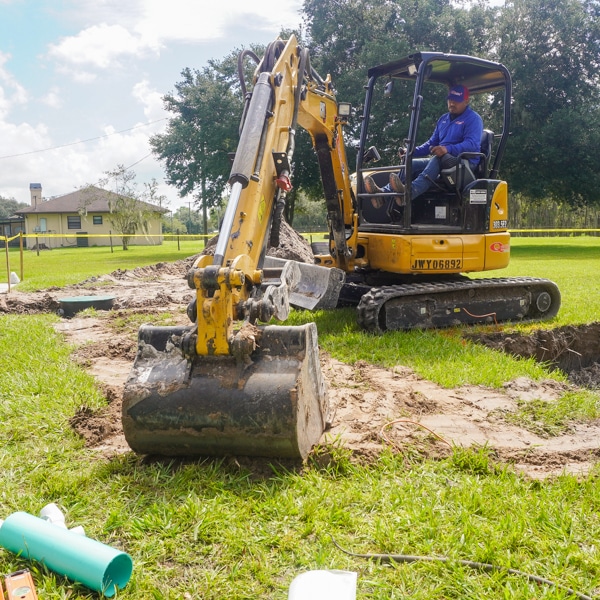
<point>178,246</point>
<point>21,252</point>
<point>111,246</point>
<point>7,263</point>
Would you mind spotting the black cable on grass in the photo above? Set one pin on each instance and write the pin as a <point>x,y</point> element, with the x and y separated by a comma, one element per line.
<point>407,558</point>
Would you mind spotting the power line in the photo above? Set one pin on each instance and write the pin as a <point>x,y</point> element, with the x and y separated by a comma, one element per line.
<point>82,141</point>
<point>137,162</point>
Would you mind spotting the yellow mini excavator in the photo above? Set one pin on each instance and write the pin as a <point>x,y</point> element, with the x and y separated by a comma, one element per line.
<point>227,384</point>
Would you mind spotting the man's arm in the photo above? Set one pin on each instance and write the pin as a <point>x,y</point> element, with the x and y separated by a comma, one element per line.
<point>426,148</point>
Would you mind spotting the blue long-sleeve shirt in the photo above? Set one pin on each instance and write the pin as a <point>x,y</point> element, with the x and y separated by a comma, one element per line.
<point>461,134</point>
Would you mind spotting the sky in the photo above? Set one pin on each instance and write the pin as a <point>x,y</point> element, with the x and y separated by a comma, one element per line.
<point>82,81</point>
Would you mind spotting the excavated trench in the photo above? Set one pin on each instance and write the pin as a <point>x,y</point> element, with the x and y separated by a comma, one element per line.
<point>574,349</point>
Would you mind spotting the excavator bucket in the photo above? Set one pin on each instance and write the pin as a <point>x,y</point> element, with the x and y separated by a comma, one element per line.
<point>271,404</point>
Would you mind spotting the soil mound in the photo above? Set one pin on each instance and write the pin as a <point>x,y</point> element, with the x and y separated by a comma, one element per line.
<point>574,349</point>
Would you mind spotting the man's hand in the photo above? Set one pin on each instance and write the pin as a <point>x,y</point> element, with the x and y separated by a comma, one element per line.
<point>439,151</point>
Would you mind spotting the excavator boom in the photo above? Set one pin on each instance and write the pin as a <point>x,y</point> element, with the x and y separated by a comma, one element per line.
<point>227,384</point>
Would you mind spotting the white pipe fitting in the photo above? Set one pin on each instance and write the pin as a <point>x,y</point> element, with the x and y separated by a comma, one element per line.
<point>53,514</point>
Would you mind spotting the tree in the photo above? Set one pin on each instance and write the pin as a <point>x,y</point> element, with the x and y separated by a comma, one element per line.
<point>551,48</point>
<point>347,37</point>
<point>189,218</point>
<point>8,207</point>
<point>130,210</point>
<point>309,214</point>
<point>173,223</point>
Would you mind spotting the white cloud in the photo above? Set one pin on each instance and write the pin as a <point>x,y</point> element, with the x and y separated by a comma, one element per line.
<point>11,92</point>
<point>52,98</point>
<point>99,46</point>
<point>62,170</point>
<point>111,43</point>
<point>185,20</point>
<point>126,32</point>
<point>150,99</point>
<point>162,21</point>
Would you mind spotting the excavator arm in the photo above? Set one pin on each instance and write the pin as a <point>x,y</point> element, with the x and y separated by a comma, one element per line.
<point>287,95</point>
<point>227,385</point>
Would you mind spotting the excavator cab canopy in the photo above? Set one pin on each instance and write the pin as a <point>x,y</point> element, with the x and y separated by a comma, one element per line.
<point>477,74</point>
<point>404,114</point>
<point>480,76</point>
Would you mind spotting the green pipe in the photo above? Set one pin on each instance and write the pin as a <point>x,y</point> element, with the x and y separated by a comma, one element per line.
<point>81,559</point>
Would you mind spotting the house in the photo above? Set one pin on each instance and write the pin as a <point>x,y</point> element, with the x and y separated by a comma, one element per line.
<point>81,218</point>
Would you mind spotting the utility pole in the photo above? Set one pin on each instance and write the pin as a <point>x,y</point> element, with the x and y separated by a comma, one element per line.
<point>189,217</point>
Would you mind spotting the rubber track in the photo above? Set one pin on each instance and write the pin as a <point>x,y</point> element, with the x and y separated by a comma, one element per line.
<point>373,301</point>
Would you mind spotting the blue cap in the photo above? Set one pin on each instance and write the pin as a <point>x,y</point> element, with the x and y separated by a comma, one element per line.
<point>458,93</point>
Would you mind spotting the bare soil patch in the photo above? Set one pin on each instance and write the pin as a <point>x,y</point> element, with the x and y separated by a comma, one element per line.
<point>372,407</point>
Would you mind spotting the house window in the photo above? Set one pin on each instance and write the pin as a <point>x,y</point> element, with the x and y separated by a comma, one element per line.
<point>97,219</point>
<point>74,222</point>
<point>43,224</point>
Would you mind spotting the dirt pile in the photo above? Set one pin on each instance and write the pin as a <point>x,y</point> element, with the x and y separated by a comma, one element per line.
<point>292,246</point>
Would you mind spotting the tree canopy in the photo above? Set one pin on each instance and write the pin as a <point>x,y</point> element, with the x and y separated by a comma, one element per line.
<point>8,207</point>
<point>550,46</point>
<point>203,131</point>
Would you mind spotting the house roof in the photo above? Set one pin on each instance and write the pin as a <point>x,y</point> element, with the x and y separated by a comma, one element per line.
<point>11,219</point>
<point>94,199</point>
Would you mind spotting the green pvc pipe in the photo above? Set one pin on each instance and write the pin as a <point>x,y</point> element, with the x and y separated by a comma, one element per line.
<point>81,559</point>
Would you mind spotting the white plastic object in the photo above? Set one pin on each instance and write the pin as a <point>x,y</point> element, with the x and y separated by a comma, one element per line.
<point>324,585</point>
<point>53,514</point>
<point>14,278</point>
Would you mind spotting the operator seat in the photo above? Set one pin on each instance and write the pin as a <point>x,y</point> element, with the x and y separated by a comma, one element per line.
<point>458,177</point>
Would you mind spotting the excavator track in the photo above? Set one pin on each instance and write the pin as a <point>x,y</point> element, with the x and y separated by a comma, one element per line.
<point>449,303</point>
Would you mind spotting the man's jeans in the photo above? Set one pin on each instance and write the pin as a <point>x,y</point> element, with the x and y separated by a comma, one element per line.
<point>425,171</point>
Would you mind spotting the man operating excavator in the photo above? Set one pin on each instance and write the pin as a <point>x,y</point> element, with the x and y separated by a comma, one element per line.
<point>459,130</point>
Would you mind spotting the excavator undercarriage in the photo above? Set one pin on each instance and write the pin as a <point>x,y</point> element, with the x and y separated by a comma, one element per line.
<point>464,301</point>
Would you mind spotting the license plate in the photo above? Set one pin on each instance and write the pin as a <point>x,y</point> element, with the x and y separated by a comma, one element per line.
<point>436,264</point>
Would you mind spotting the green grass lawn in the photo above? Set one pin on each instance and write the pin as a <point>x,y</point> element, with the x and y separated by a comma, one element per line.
<point>571,262</point>
<point>218,528</point>
<point>64,266</point>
